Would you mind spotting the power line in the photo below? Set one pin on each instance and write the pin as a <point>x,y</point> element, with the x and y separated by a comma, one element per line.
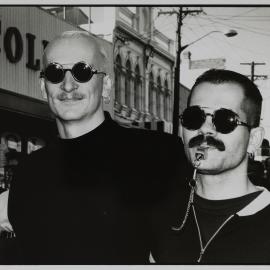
<point>211,37</point>
<point>181,14</point>
<point>229,44</point>
<point>237,15</point>
<point>241,28</point>
<point>237,24</point>
<point>253,76</point>
<point>217,42</point>
<point>245,49</point>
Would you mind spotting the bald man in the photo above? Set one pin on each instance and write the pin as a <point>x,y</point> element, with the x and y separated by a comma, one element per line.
<point>86,197</point>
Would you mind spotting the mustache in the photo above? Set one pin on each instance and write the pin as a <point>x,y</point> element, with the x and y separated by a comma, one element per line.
<point>209,140</point>
<point>70,96</point>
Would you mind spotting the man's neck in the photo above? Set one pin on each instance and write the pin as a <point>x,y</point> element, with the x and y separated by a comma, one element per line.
<point>226,185</point>
<point>74,129</point>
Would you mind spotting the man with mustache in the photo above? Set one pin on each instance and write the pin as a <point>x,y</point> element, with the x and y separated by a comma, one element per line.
<point>226,218</point>
<point>86,197</point>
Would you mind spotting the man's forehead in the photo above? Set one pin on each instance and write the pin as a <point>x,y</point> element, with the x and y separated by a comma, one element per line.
<point>224,91</point>
<point>72,50</point>
<point>79,40</point>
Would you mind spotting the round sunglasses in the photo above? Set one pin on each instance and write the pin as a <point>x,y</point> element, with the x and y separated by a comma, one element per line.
<point>224,120</point>
<point>81,72</point>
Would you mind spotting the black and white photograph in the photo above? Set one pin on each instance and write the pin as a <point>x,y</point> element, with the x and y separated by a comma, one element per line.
<point>134,134</point>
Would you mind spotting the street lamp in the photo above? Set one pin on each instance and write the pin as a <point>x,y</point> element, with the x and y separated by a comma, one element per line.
<point>229,33</point>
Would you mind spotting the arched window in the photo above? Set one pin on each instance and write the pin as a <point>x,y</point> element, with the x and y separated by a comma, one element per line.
<point>128,83</point>
<point>159,95</point>
<point>145,22</point>
<point>166,101</point>
<point>117,72</point>
<point>151,93</point>
<point>137,88</point>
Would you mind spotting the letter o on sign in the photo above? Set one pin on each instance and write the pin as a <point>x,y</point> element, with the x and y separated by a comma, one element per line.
<point>15,56</point>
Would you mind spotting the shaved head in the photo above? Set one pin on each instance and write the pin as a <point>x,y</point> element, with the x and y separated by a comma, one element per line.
<point>93,42</point>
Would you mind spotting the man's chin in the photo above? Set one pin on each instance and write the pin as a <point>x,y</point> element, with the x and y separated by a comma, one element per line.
<point>208,171</point>
<point>69,116</point>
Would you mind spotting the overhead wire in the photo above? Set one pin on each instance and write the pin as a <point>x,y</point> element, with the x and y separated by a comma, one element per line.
<point>199,25</point>
<point>218,19</point>
<point>246,49</point>
<point>245,28</point>
<point>237,15</point>
<point>238,27</point>
<point>217,44</point>
<point>164,28</point>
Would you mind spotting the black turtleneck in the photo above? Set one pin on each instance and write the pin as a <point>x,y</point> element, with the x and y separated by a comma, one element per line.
<point>86,200</point>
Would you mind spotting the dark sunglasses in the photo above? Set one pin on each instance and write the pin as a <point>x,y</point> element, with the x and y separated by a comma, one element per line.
<point>81,72</point>
<point>224,120</point>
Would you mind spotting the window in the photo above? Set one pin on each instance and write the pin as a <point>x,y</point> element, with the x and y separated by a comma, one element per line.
<point>128,83</point>
<point>118,71</point>
<point>145,22</point>
<point>137,88</point>
<point>166,101</point>
<point>151,93</point>
<point>159,95</point>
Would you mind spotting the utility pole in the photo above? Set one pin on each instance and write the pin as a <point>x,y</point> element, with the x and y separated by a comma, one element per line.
<point>253,76</point>
<point>181,14</point>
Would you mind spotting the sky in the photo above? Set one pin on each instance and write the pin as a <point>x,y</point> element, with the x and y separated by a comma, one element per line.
<point>251,44</point>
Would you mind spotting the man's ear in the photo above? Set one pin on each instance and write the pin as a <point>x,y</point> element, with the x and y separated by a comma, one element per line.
<point>43,88</point>
<point>255,139</point>
<point>107,87</point>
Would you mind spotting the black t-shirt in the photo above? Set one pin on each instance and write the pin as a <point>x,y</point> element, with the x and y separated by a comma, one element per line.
<point>212,213</point>
<point>243,240</point>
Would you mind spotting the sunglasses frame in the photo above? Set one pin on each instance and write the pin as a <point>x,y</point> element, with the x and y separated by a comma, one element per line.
<point>64,70</point>
<point>236,120</point>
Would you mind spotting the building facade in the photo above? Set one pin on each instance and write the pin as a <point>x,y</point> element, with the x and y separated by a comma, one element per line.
<point>143,70</point>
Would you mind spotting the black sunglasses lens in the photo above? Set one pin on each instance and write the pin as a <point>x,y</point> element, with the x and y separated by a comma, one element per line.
<point>193,118</point>
<point>225,121</point>
<point>82,72</point>
<point>54,73</point>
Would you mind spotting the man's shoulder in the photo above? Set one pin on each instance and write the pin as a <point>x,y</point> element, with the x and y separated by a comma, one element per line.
<point>146,134</point>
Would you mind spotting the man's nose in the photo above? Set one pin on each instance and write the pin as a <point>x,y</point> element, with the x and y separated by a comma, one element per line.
<point>208,128</point>
<point>68,84</point>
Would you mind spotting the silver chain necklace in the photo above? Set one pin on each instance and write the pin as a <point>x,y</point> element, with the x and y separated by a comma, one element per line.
<point>192,184</point>
<point>190,204</point>
<point>203,248</point>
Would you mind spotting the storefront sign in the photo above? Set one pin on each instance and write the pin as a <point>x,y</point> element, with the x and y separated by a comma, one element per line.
<point>13,47</point>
